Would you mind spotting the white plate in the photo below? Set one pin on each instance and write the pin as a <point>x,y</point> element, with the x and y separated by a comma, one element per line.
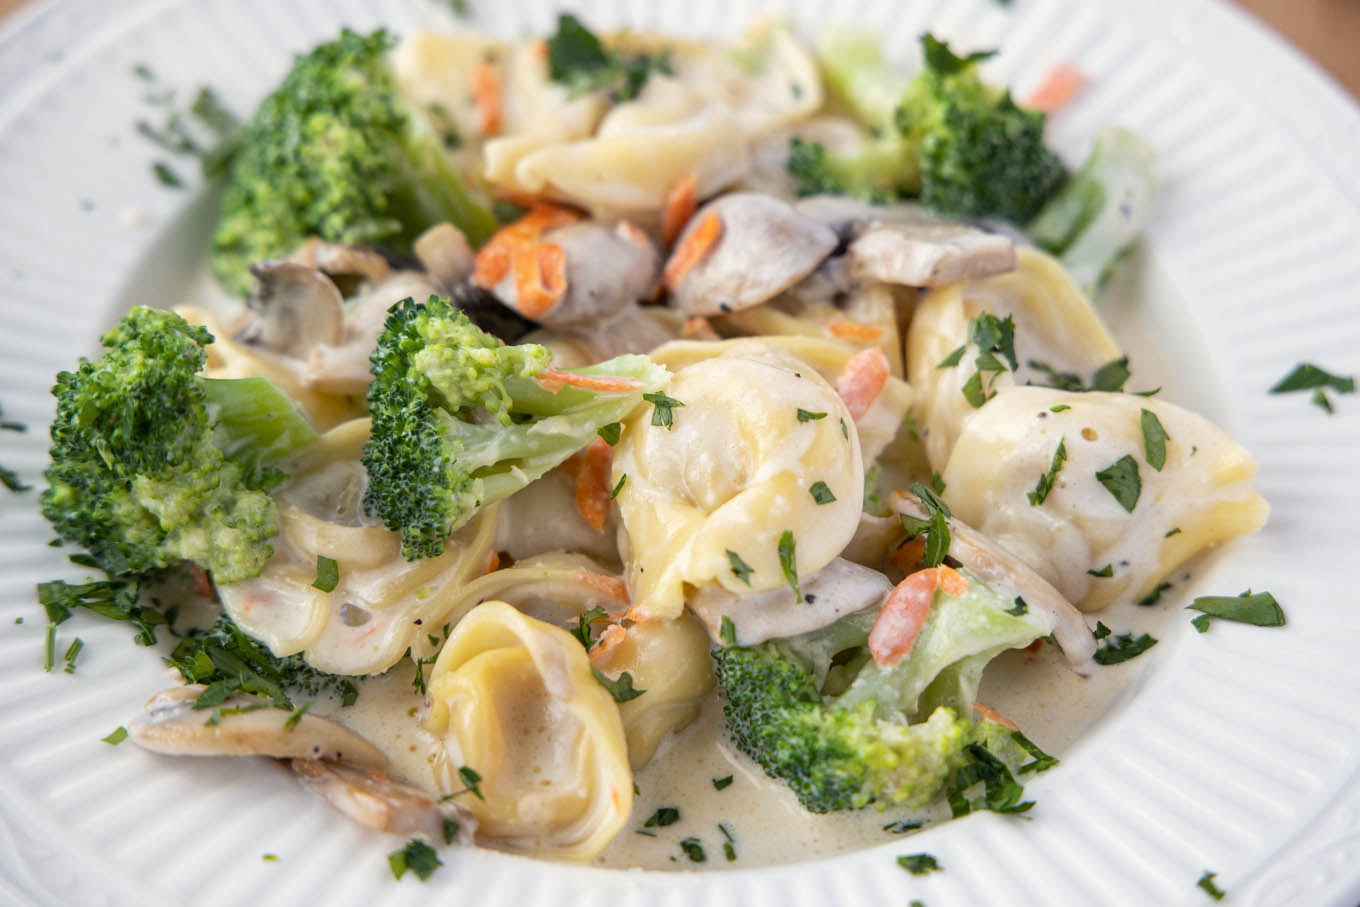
<point>1235,751</point>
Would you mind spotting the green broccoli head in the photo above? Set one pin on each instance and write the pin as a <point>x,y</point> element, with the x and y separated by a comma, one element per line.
<point>337,152</point>
<point>139,476</point>
<point>817,713</point>
<point>875,173</point>
<point>980,153</point>
<point>460,422</point>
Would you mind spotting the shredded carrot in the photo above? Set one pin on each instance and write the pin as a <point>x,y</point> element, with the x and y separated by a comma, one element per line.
<point>612,637</point>
<point>493,562</point>
<point>203,586</point>
<point>698,328</point>
<point>905,612</point>
<point>863,379</point>
<point>540,276</point>
<point>995,717</point>
<point>486,91</point>
<point>492,264</point>
<point>554,379</point>
<point>612,587</point>
<point>540,49</point>
<point>855,331</point>
<point>1058,86</point>
<point>697,243</point>
<point>515,246</point>
<point>681,202</point>
<point>909,553</point>
<point>633,233</point>
<point>592,484</point>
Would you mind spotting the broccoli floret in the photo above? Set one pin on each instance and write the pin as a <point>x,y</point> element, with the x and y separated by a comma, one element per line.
<point>815,712</point>
<point>152,464</point>
<point>967,149</point>
<point>874,173</point>
<point>460,422</point>
<point>337,152</point>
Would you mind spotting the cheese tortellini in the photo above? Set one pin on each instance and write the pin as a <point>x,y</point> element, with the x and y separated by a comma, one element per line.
<point>515,699</point>
<point>381,602</point>
<point>732,473</point>
<point>1080,537</point>
<point>1054,324</point>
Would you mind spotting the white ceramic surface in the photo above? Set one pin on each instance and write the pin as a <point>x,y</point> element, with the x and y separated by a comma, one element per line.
<point>1236,751</point>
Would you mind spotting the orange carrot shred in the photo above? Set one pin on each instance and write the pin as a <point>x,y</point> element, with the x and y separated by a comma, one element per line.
<point>611,587</point>
<point>633,233</point>
<point>554,379</point>
<point>693,247</point>
<point>681,202</point>
<point>540,276</point>
<point>493,562</point>
<point>609,640</point>
<point>906,609</point>
<point>698,328</point>
<point>592,484</point>
<point>863,379</point>
<point>1057,88</point>
<point>995,717</point>
<point>855,331</point>
<point>486,90</point>
<point>909,553</point>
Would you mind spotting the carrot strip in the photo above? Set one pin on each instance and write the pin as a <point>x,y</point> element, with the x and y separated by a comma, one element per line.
<point>693,247</point>
<point>486,92</point>
<point>1058,86</point>
<point>906,609</point>
<point>540,276</point>
<point>493,562</point>
<point>698,328</point>
<point>909,553</point>
<point>995,717</point>
<point>592,484</point>
<point>604,647</point>
<point>611,587</point>
<point>633,233</point>
<point>681,203</point>
<point>203,586</point>
<point>554,379</point>
<point>863,379</point>
<point>492,264</point>
<point>855,331</point>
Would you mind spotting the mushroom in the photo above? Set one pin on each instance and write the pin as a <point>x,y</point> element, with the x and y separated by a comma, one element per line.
<point>244,726</point>
<point>763,247</point>
<point>371,798</point>
<point>904,244</point>
<point>841,587</point>
<point>342,366</point>
<point>337,260</point>
<point>292,309</point>
<point>444,252</point>
<point>1005,572</point>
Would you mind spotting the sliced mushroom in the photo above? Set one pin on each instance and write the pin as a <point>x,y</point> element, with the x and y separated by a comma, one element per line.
<point>371,798</point>
<point>244,726</point>
<point>1009,575</point>
<point>292,309</point>
<point>338,260</point>
<point>343,367</point>
<point>446,255</point>
<point>839,588</point>
<point>764,247</point>
<point>905,244</point>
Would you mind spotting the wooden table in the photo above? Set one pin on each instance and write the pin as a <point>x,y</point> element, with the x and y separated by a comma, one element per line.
<point>1326,30</point>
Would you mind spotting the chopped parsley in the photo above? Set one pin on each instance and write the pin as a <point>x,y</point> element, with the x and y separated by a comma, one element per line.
<point>729,843</point>
<point>72,652</point>
<point>166,176</point>
<point>1206,882</point>
<point>740,569</point>
<point>722,783</point>
<point>1019,609</point>
<point>788,562</point>
<point>1121,480</point>
<point>327,574</point>
<point>292,722</point>
<point>1001,793</point>
<point>1309,377</point>
<point>1104,572</point>
<point>10,479</point>
<point>471,779</point>
<point>622,689</point>
<point>1045,483</point>
<point>1154,596</point>
<point>1109,377</point>
<point>1154,439</point>
<point>1170,532</point>
<point>582,629</point>
<point>918,864</point>
<point>727,631</point>
<point>662,408</point>
<point>1060,408</point>
<point>610,433</point>
<point>1259,610</point>
<point>416,856</point>
<point>666,815</point>
<point>693,849</point>
<point>1101,631</point>
<point>450,830</point>
<point>618,486</point>
<point>937,484</point>
<point>805,416</point>
<point>901,826</point>
<point>993,337</point>
<point>118,736</point>
<point>1123,647</point>
<point>578,60</point>
<point>953,358</point>
<point>269,858</point>
<point>821,493</point>
<point>1042,761</point>
<point>935,529</point>
<point>845,432</point>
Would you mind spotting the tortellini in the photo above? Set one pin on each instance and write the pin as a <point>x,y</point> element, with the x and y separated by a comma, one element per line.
<point>1081,538</point>
<point>1054,324</point>
<point>732,473</point>
<point>382,601</point>
<point>514,699</point>
<point>669,660</point>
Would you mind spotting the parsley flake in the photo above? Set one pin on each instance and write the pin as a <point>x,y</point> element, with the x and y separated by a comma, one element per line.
<point>1042,761</point>
<point>622,689</point>
<point>327,574</point>
<point>728,631</point>
<point>471,779</point>
<point>918,864</point>
<point>1019,609</point>
<point>1123,647</point>
<point>1307,376</point>
<point>662,408</point>
<point>666,815</point>
<point>788,562</point>
<point>901,826</point>
<point>1258,610</point>
<point>618,486</point>
<point>740,569</point>
<point>578,60</point>
<point>1206,882</point>
<point>1045,483</point>
<point>582,629</point>
<point>292,721</point>
<point>722,783</point>
<point>416,856</point>
<point>1154,439</point>
<point>1121,480</point>
<point>610,433</point>
<point>805,416</point>
<point>118,736</point>
<point>1104,572</point>
<point>693,849</point>
<point>1154,596</point>
<point>821,493</point>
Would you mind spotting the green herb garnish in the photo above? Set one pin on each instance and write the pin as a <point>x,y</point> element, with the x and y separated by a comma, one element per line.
<point>1206,882</point>
<point>1045,483</point>
<point>721,783</point>
<point>1104,572</point>
<point>740,569</point>
<point>918,864</point>
<point>1154,596</point>
<point>788,562</point>
<point>1259,610</point>
<point>821,493</point>
<point>118,736</point>
<point>1042,761</point>
<point>327,574</point>
<point>666,815</point>
<point>618,486</point>
<point>662,408</point>
<point>1121,480</point>
<point>578,60</point>
<point>693,849</point>
<point>582,629</point>
<point>622,689</point>
<point>1019,609</point>
<point>805,416</point>
<point>610,432</point>
<point>1123,647</point>
<point>1154,439</point>
<point>416,856</point>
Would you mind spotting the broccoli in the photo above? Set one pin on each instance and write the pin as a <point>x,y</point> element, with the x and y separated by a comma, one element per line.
<point>1094,219</point>
<point>965,147</point>
<point>337,152</point>
<point>460,422</point>
<point>873,174</point>
<point>817,713</point>
<point>153,464</point>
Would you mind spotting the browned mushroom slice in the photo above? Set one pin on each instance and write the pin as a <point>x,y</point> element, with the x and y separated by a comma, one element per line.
<point>446,255</point>
<point>763,247</point>
<point>1009,575</point>
<point>244,726</point>
<point>371,798</point>
<point>340,260</point>
<point>292,309</point>
<point>838,589</point>
<point>344,367</point>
